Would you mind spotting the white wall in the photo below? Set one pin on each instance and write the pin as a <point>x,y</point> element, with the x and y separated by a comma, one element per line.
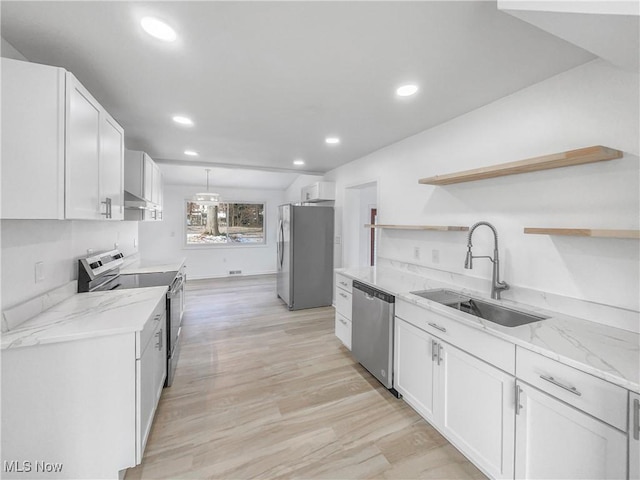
<point>58,244</point>
<point>594,104</point>
<point>165,240</point>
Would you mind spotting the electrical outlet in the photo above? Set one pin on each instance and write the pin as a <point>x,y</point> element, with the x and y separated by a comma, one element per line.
<point>39,272</point>
<point>89,251</point>
<point>435,256</point>
<point>416,253</point>
<point>338,240</point>
<point>115,245</point>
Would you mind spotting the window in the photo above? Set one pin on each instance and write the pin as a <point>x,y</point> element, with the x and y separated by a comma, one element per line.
<point>225,223</point>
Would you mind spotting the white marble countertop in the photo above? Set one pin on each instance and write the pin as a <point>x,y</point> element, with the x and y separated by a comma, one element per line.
<point>606,352</point>
<point>145,266</point>
<point>87,315</point>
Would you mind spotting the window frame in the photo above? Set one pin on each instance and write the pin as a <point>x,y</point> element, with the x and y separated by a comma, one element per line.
<point>262,244</point>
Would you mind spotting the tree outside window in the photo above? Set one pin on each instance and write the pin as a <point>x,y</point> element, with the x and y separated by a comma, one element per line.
<point>225,223</point>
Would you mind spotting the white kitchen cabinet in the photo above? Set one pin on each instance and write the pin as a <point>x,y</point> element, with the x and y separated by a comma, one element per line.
<point>87,404</point>
<point>555,440</point>
<point>111,168</point>
<point>413,367</point>
<point>319,192</point>
<point>33,148</point>
<point>82,159</point>
<point>474,407</point>
<point>469,401</point>
<point>151,369</point>
<point>343,304</point>
<point>634,436</point>
<point>57,141</point>
<point>143,187</point>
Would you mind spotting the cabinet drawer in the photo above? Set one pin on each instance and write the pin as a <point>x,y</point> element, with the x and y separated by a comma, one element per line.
<point>343,303</point>
<point>593,395</point>
<point>483,345</point>
<point>343,330</point>
<point>149,330</point>
<point>343,282</point>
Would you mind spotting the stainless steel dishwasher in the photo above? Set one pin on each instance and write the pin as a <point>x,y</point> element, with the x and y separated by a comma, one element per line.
<point>372,336</point>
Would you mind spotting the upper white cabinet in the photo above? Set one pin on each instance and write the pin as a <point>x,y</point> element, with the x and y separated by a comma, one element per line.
<point>143,184</point>
<point>57,142</point>
<point>111,168</point>
<point>319,192</point>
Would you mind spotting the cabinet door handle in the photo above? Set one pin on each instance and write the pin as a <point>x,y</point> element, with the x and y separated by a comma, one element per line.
<point>561,385</point>
<point>107,207</point>
<point>439,353</point>
<point>518,404</point>
<point>438,327</point>
<point>160,340</point>
<point>343,295</point>
<point>344,322</point>
<point>636,419</point>
<point>434,350</point>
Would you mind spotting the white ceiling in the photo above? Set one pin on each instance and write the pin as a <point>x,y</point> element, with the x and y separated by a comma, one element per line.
<point>265,82</point>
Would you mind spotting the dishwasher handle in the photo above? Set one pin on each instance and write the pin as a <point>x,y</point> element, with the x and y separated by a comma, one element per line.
<point>371,293</point>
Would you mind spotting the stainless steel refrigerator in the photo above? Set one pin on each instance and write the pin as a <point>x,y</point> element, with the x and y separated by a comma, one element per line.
<point>305,256</point>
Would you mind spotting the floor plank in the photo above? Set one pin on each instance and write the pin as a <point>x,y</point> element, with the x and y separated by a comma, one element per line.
<point>261,392</point>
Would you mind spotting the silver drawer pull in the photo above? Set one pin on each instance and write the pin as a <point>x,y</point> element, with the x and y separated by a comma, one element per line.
<point>344,283</point>
<point>558,384</point>
<point>343,295</point>
<point>344,322</point>
<point>157,317</point>
<point>438,327</point>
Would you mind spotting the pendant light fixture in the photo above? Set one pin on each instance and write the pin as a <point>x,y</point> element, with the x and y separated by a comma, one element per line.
<point>207,198</point>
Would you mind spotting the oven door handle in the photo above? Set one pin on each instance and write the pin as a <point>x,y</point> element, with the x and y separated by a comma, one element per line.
<point>177,284</point>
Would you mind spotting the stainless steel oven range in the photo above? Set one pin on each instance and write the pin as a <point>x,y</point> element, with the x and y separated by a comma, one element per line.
<point>101,272</point>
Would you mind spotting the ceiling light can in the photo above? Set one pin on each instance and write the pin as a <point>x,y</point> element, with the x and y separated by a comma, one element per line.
<point>407,90</point>
<point>158,29</point>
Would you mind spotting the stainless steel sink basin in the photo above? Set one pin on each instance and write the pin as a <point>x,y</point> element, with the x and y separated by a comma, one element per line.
<point>507,317</point>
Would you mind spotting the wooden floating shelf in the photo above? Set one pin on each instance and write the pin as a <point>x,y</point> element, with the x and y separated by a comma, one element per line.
<point>441,228</point>
<point>584,232</point>
<point>546,162</point>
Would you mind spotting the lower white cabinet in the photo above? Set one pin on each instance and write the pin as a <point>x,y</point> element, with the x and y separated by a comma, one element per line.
<point>151,370</point>
<point>413,367</point>
<point>555,440</point>
<point>468,400</point>
<point>83,406</point>
<point>634,436</point>
<point>475,408</point>
<point>343,306</point>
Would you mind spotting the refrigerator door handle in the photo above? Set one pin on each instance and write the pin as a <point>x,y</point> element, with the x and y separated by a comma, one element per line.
<point>281,243</point>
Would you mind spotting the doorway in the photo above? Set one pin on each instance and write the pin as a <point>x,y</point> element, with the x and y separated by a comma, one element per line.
<point>360,210</point>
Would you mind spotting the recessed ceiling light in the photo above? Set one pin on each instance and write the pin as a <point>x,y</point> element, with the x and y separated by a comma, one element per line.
<point>182,120</point>
<point>332,140</point>
<point>298,162</point>
<point>407,90</point>
<point>158,29</point>
<point>191,153</point>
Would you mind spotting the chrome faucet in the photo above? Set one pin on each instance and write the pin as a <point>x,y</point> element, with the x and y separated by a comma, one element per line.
<point>496,285</point>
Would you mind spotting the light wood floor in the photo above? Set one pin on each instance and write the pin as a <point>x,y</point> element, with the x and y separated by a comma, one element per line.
<point>261,392</point>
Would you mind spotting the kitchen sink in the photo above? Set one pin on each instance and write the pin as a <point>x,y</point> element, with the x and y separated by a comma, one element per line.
<point>507,317</point>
